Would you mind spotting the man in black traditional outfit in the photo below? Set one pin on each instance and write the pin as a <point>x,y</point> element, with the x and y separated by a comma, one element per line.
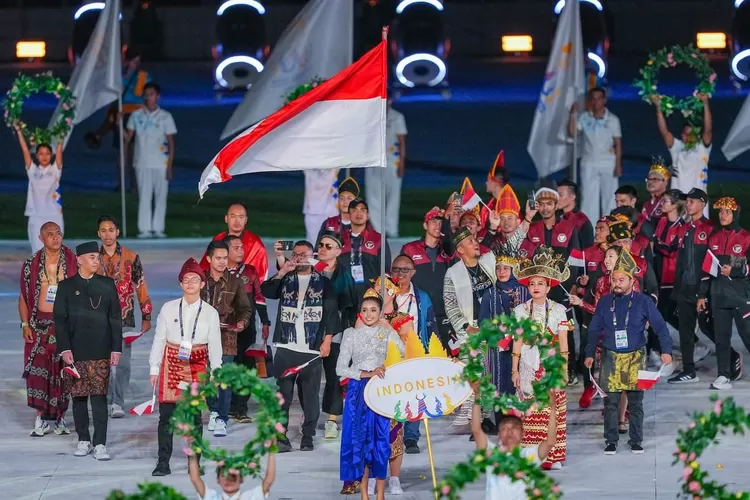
<point>88,325</point>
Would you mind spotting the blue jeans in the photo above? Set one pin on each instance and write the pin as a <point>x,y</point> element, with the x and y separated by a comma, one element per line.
<point>411,431</point>
<point>220,405</point>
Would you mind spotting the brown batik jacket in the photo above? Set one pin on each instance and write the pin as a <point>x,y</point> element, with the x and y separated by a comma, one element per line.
<point>228,297</point>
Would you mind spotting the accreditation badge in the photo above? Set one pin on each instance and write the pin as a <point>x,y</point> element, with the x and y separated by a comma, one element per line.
<point>51,294</point>
<point>185,349</point>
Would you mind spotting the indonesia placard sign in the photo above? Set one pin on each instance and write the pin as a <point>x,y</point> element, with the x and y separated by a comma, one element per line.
<point>418,389</point>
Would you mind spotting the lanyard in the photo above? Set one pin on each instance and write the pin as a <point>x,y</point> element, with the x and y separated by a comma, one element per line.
<point>57,271</point>
<point>195,324</point>
<point>627,315</point>
<point>237,271</point>
<point>408,307</point>
<point>118,252</point>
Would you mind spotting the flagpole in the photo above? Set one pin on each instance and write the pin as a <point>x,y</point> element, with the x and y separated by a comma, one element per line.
<point>574,168</point>
<point>123,217</point>
<point>382,211</point>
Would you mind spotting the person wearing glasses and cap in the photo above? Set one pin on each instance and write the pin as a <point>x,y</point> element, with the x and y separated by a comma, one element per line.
<point>88,325</point>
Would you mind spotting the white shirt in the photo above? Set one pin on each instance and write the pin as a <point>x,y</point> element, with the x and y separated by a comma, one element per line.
<point>501,487</point>
<point>207,331</point>
<point>691,166</point>
<point>254,494</point>
<point>320,192</point>
<point>407,304</point>
<point>151,131</point>
<point>43,193</point>
<point>395,125</point>
<point>599,137</point>
<point>300,344</point>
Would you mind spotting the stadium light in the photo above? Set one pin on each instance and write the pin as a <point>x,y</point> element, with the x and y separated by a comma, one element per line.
<point>517,43</point>
<point>560,5</point>
<point>31,50</point>
<point>707,41</point>
<point>736,60</point>
<point>90,6</point>
<point>737,3</point>
<point>249,3</point>
<point>250,61</point>
<point>406,3</point>
<point>442,70</point>
<point>600,63</point>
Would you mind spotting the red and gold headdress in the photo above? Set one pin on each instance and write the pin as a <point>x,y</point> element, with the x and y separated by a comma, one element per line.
<point>391,287</point>
<point>727,202</point>
<point>507,202</point>
<point>547,264</point>
<point>499,163</point>
<point>659,167</point>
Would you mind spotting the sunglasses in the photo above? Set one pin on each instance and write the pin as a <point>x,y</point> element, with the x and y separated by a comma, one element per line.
<point>327,246</point>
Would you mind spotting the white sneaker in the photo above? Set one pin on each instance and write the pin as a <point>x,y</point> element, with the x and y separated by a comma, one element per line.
<point>221,429</point>
<point>41,427</point>
<point>159,234</point>
<point>144,236</point>
<point>394,486</point>
<point>332,430</point>
<point>556,466</point>
<point>61,427</point>
<point>721,384</point>
<point>117,411</point>
<point>100,453</point>
<point>212,421</point>
<point>83,449</point>
<point>701,351</point>
<point>371,486</point>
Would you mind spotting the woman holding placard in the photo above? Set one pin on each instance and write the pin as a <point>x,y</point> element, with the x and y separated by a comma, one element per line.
<point>545,270</point>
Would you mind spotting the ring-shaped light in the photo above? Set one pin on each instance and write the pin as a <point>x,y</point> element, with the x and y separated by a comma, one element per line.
<point>737,3</point>
<point>406,3</point>
<point>403,63</point>
<point>599,62</point>
<point>736,61</point>
<point>250,61</point>
<point>561,4</point>
<point>249,3</point>
<point>90,6</point>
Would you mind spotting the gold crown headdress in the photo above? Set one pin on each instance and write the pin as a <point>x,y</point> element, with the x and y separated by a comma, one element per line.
<point>546,263</point>
<point>659,167</point>
<point>391,287</point>
<point>726,202</point>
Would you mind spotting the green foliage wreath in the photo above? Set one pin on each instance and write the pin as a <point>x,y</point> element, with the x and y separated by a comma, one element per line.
<point>303,89</point>
<point>149,491</point>
<point>24,87</point>
<point>691,107</point>
<point>702,433</point>
<point>539,486</point>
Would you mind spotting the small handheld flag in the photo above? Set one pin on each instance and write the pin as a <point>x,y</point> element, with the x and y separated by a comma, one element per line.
<point>711,264</point>
<point>130,337</point>
<point>72,371</point>
<point>145,408</point>
<point>577,258</point>
<point>296,369</point>
<point>647,379</point>
<point>317,265</point>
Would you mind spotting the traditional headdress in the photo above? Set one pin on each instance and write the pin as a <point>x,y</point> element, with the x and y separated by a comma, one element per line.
<point>391,287</point>
<point>620,228</point>
<point>498,173</point>
<point>625,263</point>
<point>659,167</point>
<point>546,264</point>
<point>507,259</point>
<point>507,202</point>
<point>461,235</point>
<point>88,247</point>
<point>546,193</point>
<point>727,202</point>
<point>349,185</point>
<point>191,266</point>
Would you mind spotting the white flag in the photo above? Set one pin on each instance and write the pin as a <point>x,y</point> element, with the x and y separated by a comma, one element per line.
<point>97,78</point>
<point>317,43</point>
<point>738,138</point>
<point>563,85</point>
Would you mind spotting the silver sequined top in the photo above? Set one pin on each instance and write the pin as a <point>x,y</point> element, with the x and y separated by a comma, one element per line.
<point>366,348</point>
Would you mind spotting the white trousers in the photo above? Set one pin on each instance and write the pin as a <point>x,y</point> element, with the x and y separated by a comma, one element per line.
<point>152,187</point>
<point>598,186</point>
<point>373,184</point>
<point>313,223</point>
<point>35,225</point>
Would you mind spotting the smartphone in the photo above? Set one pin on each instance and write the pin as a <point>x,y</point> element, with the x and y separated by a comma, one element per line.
<point>531,196</point>
<point>287,246</point>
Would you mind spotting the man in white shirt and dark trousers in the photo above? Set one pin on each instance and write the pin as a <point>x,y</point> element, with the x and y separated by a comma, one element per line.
<point>155,131</point>
<point>307,316</point>
<point>601,160</point>
<point>186,341</point>
<point>395,142</point>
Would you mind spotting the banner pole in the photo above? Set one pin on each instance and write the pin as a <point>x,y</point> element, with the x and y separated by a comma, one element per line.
<point>383,243</point>
<point>429,454</point>
<point>574,165</point>
<point>123,216</point>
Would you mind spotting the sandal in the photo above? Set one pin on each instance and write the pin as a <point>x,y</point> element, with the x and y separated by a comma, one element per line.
<point>350,488</point>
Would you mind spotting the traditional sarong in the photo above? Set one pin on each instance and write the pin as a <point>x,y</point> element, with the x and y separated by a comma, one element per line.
<point>364,437</point>
<point>45,386</point>
<point>535,429</point>
<point>619,371</point>
<point>499,364</point>
<point>94,379</point>
<point>175,374</point>
<point>396,438</point>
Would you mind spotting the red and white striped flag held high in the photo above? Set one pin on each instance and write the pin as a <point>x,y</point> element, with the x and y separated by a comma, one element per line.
<point>711,264</point>
<point>338,124</point>
<point>577,258</point>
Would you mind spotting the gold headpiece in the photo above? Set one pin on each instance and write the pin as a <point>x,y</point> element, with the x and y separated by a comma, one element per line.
<point>391,287</point>
<point>659,167</point>
<point>625,263</point>
<point>727,202</point>
<point>546,264</point>
<point>506,259</point>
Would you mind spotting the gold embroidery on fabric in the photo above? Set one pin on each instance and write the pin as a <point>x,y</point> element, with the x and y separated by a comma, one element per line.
<point>624,376</point>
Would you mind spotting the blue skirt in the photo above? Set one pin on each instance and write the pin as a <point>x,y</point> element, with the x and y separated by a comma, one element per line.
<point>499,365</point>
<point>364,437</point>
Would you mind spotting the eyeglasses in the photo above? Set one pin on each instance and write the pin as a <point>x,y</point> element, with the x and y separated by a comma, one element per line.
<point>401,270</point>
<point>653,179</point>
<point>191,280</point>
<point>327,246</point>
<point>300,256</point>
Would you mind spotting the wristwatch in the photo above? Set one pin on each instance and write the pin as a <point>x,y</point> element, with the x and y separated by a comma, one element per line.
<point>24,324</point>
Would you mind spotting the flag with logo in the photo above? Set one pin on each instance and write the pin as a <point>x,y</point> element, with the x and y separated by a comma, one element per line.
<point>711,264</point>
<point>564,85</point>
<point>97,78</point>
<point>318,43</point>
<point>738,138</point>
<point>577,258</point>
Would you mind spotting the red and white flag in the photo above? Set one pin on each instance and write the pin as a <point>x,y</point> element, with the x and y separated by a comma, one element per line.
<point>647,379</point>
<point>130,337</point>
<point>577,258</point>
<point>471,198</point>
<point>317,265</point>
<point>72,371</point>
<point>338,124</point>
<point>145,408</point>
<point>296,369</point>
<point>711,264</point>
<point>256,351</point>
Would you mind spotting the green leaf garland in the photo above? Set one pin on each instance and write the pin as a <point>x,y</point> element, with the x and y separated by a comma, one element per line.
<point>24,87</point>
<point>148,491</point>
<point>702,433</point>
<point>303,89</point>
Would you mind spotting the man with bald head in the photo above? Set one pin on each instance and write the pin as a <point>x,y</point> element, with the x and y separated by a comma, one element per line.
<point>255,251</point>
<point>40,275</point>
